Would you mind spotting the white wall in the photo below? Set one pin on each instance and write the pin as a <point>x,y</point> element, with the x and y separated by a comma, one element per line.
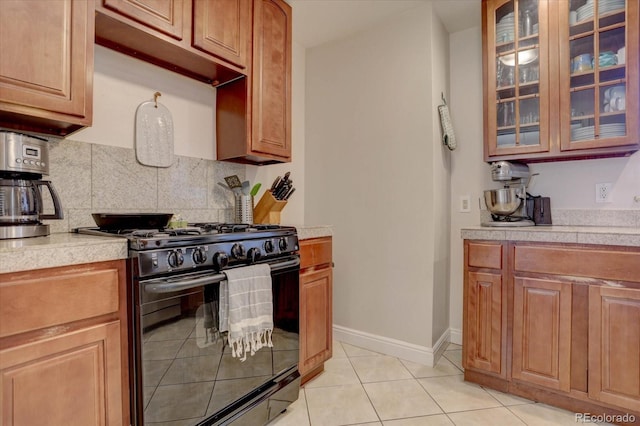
<point>441,164</point>
<point>121,83</point>
<point>469,174</point>
<point>371,170</point>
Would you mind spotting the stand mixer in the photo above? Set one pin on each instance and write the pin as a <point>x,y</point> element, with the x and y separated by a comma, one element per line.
<point>508,205</point>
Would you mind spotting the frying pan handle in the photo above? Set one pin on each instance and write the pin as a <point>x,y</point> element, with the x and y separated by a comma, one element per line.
<point>56,201</point>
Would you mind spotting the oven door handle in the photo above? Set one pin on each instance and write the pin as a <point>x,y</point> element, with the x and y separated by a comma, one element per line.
<point>169,285</point>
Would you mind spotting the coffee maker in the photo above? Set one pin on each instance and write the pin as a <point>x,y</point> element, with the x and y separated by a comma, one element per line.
<point>24,159</point>
<point>508,205</point>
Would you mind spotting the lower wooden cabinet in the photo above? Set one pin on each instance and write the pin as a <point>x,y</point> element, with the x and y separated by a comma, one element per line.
<point>483,322</point>
<point>70,379</point>
<point>542,332</point>
<point>614,334</point>
<point>316,313</point>
<point>63,350</point>
<point>556,323</point>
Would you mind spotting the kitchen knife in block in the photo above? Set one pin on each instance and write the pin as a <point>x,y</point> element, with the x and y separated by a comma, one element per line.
<point>268,209</point>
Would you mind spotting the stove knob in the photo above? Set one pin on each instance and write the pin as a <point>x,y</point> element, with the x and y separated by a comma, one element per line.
<point>199,256</point>
<point>237,251</point>
<point>220,260</point>
<point>282,244</point>
<point>254,254</point>
<point>268,246</point>
<point>175,259</point>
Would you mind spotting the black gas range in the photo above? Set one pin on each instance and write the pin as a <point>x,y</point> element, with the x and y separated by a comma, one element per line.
<point>203,245</point>
<point>180,373</point>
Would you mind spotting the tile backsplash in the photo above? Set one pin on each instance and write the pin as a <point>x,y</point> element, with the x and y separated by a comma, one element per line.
<point>588,217</point>
<point>91,178</point>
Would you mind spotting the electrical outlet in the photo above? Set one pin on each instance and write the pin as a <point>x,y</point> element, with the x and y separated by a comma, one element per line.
<point>603,192</point>
<point>465,204</point>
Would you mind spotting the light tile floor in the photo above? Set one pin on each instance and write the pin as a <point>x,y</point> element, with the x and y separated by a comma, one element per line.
<point>360,387</point>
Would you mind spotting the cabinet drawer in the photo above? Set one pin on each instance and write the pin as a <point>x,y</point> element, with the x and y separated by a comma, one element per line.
<point>316,251</point>
<point>53,297</point>
<point>606,264</point>
<point>485,255</point>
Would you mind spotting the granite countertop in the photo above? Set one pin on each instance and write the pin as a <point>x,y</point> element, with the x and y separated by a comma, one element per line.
<point>605,235</point>
<point>59,249</point>
<point>62,249</point>
<point>306,232</point>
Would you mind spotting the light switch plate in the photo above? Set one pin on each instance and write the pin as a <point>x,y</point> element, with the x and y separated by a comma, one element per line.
<point>465,204</point>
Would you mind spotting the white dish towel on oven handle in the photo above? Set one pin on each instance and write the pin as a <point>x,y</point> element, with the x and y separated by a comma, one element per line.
<point>246,309</point>
<point>448,136</point>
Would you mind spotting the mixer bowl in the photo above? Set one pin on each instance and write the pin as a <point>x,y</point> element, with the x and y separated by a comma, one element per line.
<point>503,201</point>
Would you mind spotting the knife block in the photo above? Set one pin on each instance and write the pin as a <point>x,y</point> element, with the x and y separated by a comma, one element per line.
<point>268,209</point>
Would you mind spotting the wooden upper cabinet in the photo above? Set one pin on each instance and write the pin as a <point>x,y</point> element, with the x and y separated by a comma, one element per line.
<point>207,40</point>
<point>254,114</point>
<point>517,77</point>
<point>599,76</point>
<point>165,16</point>
<point>46,71</point>
<point>272,78</point>
<point>561,79</point>
<point>221,28</point>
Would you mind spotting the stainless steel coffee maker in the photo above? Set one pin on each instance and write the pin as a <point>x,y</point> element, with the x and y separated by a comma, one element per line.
<point>508,205</point>
<point>24,160</point>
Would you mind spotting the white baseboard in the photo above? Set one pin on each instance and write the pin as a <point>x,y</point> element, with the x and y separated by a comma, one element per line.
<point>455,335</point>
<point>392,347</point>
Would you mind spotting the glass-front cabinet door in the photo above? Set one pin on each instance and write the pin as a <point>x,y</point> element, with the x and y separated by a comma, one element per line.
<point>561,79</point>
<point>598,74</point>
<point>517,69</point>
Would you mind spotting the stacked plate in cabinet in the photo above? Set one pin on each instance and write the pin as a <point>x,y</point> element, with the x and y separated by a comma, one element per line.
<point>606,6</point>
<point>613,130</point>
<point>606,131</point>
<point>505,29</point>
<point>585,12</point>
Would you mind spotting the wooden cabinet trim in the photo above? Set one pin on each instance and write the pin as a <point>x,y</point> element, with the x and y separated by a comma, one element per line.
<point>223,28</point>
<point>601,263</point>
<point>315,252</point>
<point>167,17</point>
<point>49,300</point>
<point>485,255</point>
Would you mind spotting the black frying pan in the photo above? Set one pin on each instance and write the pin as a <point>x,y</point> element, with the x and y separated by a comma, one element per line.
<point>131,220</point>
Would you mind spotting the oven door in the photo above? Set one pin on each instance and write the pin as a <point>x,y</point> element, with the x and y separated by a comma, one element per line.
<point>185,373</point>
